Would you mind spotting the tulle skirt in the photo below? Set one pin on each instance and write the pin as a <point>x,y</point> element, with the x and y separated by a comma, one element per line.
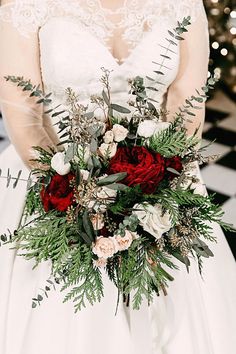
<point>198,316</point>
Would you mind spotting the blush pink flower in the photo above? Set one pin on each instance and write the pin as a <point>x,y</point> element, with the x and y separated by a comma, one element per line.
<point>105,247</point>
<point>124,242</point>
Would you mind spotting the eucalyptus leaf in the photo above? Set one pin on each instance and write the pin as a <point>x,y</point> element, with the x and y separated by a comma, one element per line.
<point>86,238</point>
<point>112,179</point>
<point>120,109</point>
<point>165,56</point>
<point>172,170</point>
<point>70,152</point>
<point>117,186</point>
<point>96,162</point>
<point>57,113</point>
<point>158,72</point>
<point>171,34</point>
<point>89,115</point>
<point>152,88</point>
<point>77,176</point>
<point>93,146</point>
<point>17,179</point>
<point>150,78</point>
<point>40,298</point>
<point>88,226</point>
<point>184,260</point>
<point>105,97</point>
<point>202,249</point>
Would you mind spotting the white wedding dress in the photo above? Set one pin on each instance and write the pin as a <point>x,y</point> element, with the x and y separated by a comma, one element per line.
<point>64,44</point>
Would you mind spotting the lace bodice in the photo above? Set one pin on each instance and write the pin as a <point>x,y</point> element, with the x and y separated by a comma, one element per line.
<point>132,15</point>
<point>78,37</point>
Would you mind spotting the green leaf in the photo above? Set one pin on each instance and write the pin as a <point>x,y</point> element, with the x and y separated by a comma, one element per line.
<point>120,109</point>
<point>112,179</point>
<point>171,34</point>
<point>105,97</point>
<point>17,179</point>
<point>40,298</point>
<point>86,238</point>
<point>57,113</point>
<point>152,88</point>
<point>88,226</point>
<point>165,56</point>
<point>150,78</point>
<point>89,115</point>
<point>93,146</point>
<point>70,152</point>
<point>40,101</point>
<point>179,38</point>
<point>184,260</point>
<point>117,186</point>
<point>77,176</point>
<point>158,72</point>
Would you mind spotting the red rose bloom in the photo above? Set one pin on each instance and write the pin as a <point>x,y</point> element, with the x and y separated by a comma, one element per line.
<point>58,194</point>
<point>143,167</point>
<point>175,163</point>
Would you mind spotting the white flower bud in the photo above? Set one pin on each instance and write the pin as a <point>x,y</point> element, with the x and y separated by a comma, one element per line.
<point>59,165</point>
<point>108,137</point>
<point>108,150</point>
<point>152,219</point>
<point>120,132</point>
<point>84,174</point>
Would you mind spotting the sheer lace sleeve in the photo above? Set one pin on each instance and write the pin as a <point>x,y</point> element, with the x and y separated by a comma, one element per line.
<point>193,67</point>
<point>26,124</point>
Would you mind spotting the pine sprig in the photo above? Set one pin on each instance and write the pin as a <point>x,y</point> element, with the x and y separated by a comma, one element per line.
<point>170,143</point>
<point>89,286</point>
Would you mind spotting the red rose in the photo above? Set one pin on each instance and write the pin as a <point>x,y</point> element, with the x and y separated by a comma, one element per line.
<point>176,164</point>
<point>143,167</point>
<point>58,194</point>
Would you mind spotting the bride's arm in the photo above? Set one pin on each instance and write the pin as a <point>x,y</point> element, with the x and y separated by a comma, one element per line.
<point>24,119</point>
<point>192,73</point>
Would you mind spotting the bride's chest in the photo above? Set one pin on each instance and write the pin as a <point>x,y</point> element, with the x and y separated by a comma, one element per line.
<point>73,51</point>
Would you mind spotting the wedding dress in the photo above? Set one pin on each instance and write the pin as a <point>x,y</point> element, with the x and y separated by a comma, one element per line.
<point>62,44</point>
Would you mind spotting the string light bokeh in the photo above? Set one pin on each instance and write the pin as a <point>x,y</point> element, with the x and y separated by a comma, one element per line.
<point>222,28</point>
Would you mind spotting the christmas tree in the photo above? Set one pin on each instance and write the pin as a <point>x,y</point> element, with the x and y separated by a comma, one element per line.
<point>222,28</point>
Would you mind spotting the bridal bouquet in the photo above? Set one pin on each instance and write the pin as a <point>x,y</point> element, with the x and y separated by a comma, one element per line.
<point>120,196</point>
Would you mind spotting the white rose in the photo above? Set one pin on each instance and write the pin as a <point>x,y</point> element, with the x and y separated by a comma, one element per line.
<point>161,126</point>
<point>124,242</point>
<point>105,193</point>
<point>147,128</point>
<point>152,219</point>
<point>108,137</point>
<point>96,206</point>
<point>59,165</point>
<point>120,132</point>
<point>84,174</point>
<point>108,150</point>
<point>105,247</point>
<point>97,221</point>
<point>99,114</point>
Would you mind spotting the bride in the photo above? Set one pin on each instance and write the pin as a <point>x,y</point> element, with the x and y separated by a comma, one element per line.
<point>60,44</point>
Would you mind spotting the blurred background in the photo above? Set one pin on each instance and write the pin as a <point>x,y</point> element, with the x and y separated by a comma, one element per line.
<point>220,125</point>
